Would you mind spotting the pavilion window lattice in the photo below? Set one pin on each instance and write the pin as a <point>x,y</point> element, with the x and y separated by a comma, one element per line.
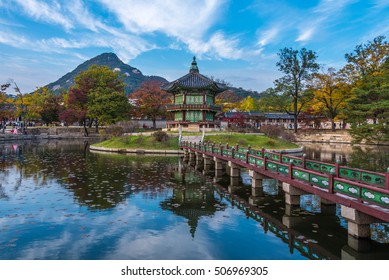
<point>194,99</point>
<point>179,99</point>
<point>178,116</point>
<point>194,116</point>
<point>209,99</point>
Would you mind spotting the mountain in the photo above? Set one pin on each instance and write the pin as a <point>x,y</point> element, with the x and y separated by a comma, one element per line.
<point>133,77</point>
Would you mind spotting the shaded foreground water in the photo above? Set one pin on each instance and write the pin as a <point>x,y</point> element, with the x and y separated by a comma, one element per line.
<point>59,201</point>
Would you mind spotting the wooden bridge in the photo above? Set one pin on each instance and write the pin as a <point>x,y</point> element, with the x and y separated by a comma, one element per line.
<point>363,195</point>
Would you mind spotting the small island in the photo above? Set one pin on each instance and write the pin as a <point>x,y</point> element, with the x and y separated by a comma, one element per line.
<point>162,142</point>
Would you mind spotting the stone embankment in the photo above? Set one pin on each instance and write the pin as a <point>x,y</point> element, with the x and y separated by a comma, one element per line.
<point>324,136</point>
<point>49,133</point>
<point>139,151</point>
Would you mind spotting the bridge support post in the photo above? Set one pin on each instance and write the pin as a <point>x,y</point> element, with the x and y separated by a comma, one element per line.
<point>327,207</point>
<point>288,219</point>
<point>292,194</point>
<point>207,162</point>
<point>218,163</point>
<point>358,223</point>
<point>192,155</point>
<point>256,183</point>
<point>234,169</point>
<point>234,183</point>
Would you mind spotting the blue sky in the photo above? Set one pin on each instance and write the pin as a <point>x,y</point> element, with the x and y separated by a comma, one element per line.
<point>237,41</point>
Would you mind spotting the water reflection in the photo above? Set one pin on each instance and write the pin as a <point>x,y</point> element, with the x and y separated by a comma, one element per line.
<point>374,158</point>
<point>58,201</point>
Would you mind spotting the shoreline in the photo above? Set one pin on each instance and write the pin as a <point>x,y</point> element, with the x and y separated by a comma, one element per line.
<point>175,152</point>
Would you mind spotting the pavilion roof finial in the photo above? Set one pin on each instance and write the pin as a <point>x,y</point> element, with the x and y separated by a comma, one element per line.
<point>193,67</point>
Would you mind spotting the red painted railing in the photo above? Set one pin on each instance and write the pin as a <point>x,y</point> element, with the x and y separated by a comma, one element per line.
<point>342,184</point>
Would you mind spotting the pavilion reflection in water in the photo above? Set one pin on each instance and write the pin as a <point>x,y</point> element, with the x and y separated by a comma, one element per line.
<point>192,198</point>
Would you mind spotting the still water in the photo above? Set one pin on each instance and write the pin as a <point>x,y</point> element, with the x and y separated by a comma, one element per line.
<point>59,201</point>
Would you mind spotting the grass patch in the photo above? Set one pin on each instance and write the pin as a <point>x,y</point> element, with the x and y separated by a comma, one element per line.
<point>243,140</point>
<point>255,141</point>
<point>139,142</point>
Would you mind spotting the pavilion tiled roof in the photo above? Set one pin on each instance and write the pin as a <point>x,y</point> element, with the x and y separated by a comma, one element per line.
<point>194,80</point>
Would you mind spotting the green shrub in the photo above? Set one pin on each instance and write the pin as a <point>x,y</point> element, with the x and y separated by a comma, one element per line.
<point>160,136</point>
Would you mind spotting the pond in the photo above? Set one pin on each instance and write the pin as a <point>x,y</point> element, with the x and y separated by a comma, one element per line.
<point>60,201</point>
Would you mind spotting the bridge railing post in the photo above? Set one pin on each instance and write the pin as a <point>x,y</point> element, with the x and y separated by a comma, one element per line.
<point>221,149</point>
<point>280,156</point>
<point>247,153</point>
<point>331,183</point>
<point>387,179</point>
<point>337,168</point>
<point>291,169</point>
<point>303,160</point>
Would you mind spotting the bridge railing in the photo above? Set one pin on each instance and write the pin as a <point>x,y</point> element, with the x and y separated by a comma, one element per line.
<point>364,176</point>
<point>363,185</point>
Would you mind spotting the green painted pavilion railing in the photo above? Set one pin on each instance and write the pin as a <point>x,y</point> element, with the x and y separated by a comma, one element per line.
<point>367,186</point>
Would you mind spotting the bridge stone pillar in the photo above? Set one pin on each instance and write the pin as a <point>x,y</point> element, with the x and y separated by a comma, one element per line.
<point>234,183</point>
<point>256,183</point>
<point>358,223</point>
<point>234,169</point>
<point>207,162</point>
<point>218,163</point>
<point>192,155</point>
<point>292,194</point>
<point>327,207</point>
<point>288,219</point>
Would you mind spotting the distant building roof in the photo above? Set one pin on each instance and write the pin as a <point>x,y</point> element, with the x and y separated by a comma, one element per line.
<point>194,80</point>
<point>259,114</point>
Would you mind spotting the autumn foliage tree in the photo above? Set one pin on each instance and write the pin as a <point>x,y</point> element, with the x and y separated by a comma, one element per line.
<point>228,99</point>
<point>330,94</point>
<point>248,104</point>
<point>96,97</point>
<point>150,101</point>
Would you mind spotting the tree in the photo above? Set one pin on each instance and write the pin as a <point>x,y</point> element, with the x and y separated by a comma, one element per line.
<point>272,101</point>
<point>151,101</point>
<point>371,102</point>
<point>7,109</point>
<point>298,66</point>
<point>331,94</point>
<point>228,100</point>
<point>248,104</point>
<point>368,67</point>
<point>75,108</point>
<point>368,58</point>
<point>104,91</point>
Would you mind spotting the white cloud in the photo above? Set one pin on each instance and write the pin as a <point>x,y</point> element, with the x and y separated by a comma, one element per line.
<point>44,12</point>
<point>268,35</point>
<point>175,17</point>
<point>325,11</point>
<point>218,45</point>
<point>188,22</point>
<point>305,34</point>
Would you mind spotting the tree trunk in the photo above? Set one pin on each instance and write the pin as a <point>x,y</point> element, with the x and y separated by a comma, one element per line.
<point>97,125</point>
<point>332,125</point>
<point>85,130</point>
<point>295,115</point>
<point>154,123</point>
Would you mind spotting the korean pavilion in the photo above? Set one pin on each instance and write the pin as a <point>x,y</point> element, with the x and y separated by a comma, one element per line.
<point>193,105</point>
